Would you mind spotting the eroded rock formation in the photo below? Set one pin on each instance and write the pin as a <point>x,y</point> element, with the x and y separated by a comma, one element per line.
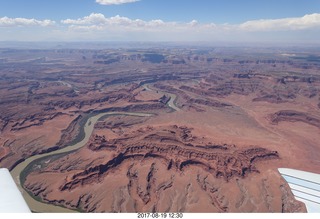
<point>178,148</point>
<point>294,116</point>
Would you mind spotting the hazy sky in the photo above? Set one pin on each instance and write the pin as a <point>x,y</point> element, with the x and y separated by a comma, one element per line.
<point>286,21</point>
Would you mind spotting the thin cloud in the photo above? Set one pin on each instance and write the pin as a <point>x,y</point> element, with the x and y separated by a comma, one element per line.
<point>19,22</point>
<point>299,23</point>
<point>94,18</point>
<point>98,26</point>
<point>286,24</point>
<point>115,2</point>
<point>99,20</point>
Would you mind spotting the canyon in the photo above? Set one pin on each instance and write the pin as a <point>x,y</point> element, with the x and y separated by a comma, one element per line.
<point>183,129</point>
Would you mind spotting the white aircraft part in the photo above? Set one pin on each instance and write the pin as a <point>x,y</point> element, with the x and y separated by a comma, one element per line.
<point>305,187</point>
<point>11,200</point>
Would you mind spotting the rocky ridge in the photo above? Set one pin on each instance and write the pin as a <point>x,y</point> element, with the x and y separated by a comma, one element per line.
<point>178,148</point>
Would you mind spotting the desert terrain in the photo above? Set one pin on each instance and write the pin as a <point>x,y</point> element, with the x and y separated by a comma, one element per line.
<point>178,129</point>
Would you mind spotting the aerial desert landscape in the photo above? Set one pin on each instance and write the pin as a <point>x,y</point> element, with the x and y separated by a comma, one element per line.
<point>159,129</point>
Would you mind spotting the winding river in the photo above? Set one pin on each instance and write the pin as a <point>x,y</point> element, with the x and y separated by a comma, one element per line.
<point>172,100</point>
<point>38,205</point>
